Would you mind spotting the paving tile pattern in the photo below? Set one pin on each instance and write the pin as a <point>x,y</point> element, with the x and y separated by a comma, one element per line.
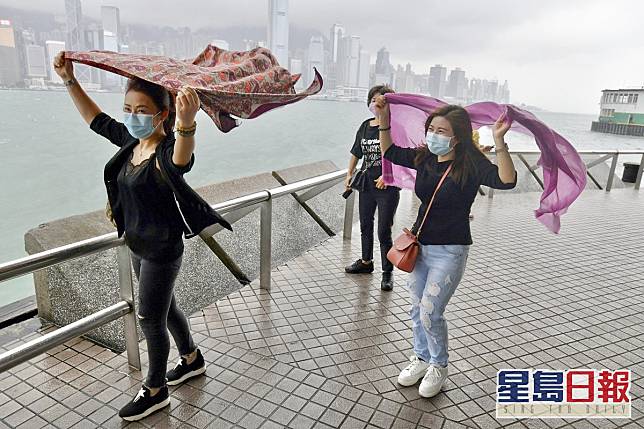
<point>323,349</point>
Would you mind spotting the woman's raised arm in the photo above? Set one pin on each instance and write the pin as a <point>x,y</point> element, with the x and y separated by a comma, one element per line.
<point>85,105</point>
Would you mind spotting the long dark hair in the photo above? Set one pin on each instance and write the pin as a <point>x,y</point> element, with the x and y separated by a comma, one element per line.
<point>466,152</point>
<point>160,96</point>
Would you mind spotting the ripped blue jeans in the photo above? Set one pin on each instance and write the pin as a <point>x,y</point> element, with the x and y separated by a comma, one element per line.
<point>439,268</point>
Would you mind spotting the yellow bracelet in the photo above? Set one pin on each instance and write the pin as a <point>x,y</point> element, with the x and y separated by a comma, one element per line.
<point>184,133</point>
<point>188,129</point>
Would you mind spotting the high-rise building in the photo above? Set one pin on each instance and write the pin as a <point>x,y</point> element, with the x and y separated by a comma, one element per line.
<point>36,61</point>
<point>492,90</point>
<point>337,33</point>
<point>278,30</point>
<point>110,18</point>
<point>349,61</point>
<point>93,40</point>
<point>475,92</point>
<point>333,70</point>
<point>185,45</point>
<point>410,80</point>
<point>315,56</point>
<point>364,68</point>
<point>111,21</point>
<point>383,66</point>
<point>457,84</point>
<point>75,37</point>
<point>437,81</point>
<point>73,18</point>
<point>504,93</point>
<point>9,55</point>
<point>53,47</point>
<point>399,78</point>
<point>384,69</point>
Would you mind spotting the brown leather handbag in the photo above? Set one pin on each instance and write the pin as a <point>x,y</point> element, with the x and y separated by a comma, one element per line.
<point>404,251</point>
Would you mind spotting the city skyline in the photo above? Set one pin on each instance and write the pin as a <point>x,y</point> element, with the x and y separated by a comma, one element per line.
<point>343,60</point>
<point>549,63</point>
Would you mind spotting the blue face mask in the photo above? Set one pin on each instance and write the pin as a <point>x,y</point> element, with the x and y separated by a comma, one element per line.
<point>139,125</point>
<point>438,144</point>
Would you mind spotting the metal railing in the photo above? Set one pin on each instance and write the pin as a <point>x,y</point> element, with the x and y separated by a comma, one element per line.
<point>233,210</point>
<point>604,155</point>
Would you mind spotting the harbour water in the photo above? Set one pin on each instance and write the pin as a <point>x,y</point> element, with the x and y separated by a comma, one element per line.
<point>52,163</point>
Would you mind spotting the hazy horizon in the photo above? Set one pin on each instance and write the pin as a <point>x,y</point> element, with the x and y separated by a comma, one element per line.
<point>557,56</point>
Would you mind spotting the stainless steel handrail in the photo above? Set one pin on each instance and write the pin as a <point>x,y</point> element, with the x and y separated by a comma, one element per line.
<point>58,255</point>
<point>612,154</point>
<point>40,345</point>
<point>125,307</point>
<point>48,258</point>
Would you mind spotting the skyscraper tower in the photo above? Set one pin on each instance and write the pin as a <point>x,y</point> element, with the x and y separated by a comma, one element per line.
<point>437,81</point>
<point>74,37</point>
<point>110,18</point>
<point>315,57</point>
<point>74,18</point>
<point>337,33</point>
<point>278,30</point>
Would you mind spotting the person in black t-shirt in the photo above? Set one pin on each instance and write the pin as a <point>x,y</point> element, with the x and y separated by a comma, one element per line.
<point>445,236</point>
<point>374,195</point>
<point>152,206</point>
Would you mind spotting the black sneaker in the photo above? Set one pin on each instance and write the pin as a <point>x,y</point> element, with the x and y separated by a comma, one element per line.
<point>359,267</point>
<point>143,404</point>
<point>387,283</point>
<point>183,371</point>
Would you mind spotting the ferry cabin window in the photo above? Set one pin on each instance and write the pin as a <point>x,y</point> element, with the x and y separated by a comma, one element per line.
<point>630,98</point>
<point>635,97</point>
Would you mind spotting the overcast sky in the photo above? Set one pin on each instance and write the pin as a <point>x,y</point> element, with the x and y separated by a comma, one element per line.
<point>556,54</point>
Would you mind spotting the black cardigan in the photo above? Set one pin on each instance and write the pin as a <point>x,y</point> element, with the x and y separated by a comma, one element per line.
<point>196,213</point>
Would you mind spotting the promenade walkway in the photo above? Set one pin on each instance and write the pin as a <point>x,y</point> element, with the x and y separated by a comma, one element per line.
<point>323,349</point>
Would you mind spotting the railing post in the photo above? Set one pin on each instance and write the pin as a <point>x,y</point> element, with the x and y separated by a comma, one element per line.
<point>639,173</point>
<point>266,220</point>
<point>126,292</point>
<point>611,173</point>
<point>348,216</point>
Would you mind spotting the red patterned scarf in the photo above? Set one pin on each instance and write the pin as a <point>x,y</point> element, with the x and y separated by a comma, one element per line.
<point>243,84</point>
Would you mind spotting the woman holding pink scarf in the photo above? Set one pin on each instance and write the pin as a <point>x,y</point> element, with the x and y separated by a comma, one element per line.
<point>451,155</point>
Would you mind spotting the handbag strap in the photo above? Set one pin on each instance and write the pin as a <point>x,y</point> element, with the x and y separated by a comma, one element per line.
<point>440,183</point>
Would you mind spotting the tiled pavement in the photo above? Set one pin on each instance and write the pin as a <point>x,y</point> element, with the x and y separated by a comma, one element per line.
<point>323,349</point>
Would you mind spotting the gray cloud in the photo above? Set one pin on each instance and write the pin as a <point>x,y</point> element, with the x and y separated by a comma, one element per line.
<point>555,54</point>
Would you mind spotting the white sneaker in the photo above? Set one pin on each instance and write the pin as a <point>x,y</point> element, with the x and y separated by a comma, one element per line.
<point>414,372</point>
<point>433,381</point>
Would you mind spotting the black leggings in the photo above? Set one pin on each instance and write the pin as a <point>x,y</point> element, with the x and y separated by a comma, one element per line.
<point>386,200</point>
<point>157,313</point>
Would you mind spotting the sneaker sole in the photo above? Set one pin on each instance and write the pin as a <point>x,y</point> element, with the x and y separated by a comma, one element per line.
<point>411,383</point>
<point>187,376</point>
<point>149,411</point>
<point>430,394</point>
